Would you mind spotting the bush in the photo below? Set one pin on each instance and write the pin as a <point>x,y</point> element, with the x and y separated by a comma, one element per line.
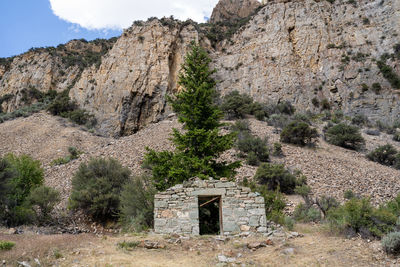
<point>303,213</point>
<point>278,149</point>
<point>360,120</point>
<point>248,143</point>
<point>286,108</point>
<point>236,105</point>
<point>325,105</point>
<point>73,154</point>
<point>344,135</point>
<point>385,155</point>
<point>18,176</point>
<point>97,186</point>
<point>137,204</point>
<point>349,194</point>
<point>6,245</point>
<point>240,126</point>
<point>358,215</point>
<point>275,176</point>
<point>298,133</point>
<point>279,120</point>
<point>391,243</point>
<point>44,199</point>
<point>396,137</point>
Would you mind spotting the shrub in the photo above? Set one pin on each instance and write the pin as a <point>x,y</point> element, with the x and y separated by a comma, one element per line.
<point>137,204</point>
<point>29,174</point>
<point>236,105</point>
<point>97,186</point>
<point>389,74</point>
<point>128,245</point>
<point>298,133</point>
<point>6,245</point>
<point>240,126</point>
<point>326,203</point>
<point>44,199</point>
<point>385,155</point>
<point>325,104</point>
<point>349,194</point>
<point>275,176</point>
<point>376,87</point>
<point>248,143</point>
<point>286,108</point>
<point>73,154</point>
<point>18,176</point>
<point>252,159</point>
<point>306,214</point>
<point>391,243</point>
<point>361,217</point>
<point>396,137</point>
<point>360,120</point>
<point>279,120</point>
<point>344,135</point>
<point>315,102</point>
<point>278,149</point>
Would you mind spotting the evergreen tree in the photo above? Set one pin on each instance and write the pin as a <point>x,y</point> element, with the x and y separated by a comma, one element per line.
<point>200,144</point>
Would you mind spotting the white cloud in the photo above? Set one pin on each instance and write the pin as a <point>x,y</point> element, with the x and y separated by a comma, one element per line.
<point>119,14</point>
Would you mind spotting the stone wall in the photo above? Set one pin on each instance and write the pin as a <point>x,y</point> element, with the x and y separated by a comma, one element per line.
<point>177,210</point>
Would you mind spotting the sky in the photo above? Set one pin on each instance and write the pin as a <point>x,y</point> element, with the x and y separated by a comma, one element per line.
<point>38,23</point>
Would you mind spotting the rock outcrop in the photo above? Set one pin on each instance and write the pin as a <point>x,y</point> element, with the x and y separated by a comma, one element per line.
<point>303,51</point>
<point>231,10</point>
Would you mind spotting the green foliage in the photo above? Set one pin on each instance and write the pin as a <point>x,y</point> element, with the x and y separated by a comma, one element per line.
<point>344,135</point>
<point>376,87</point>
<point>96,188</point>
<point>18,177</point>
<point>64,107</point>
<point>137,204</point>
<point>248,143</point>
<point>275,176</point>
<point>43,198</point>
<point>240,126</point>
<point>279,120</point>
<point>325,105</point>
<point>349,194</point>
<point>6,245</point>
<point>360,120</point>
<point>360,216</point>
<point>389,74</point>
<point>385,155</point>
<point>391,243</point>
<point>315,102</point>
<point>278,149</point>
<point>396,136</point>
<point>200,145</point>
<point>299,133</point>
<point>236,105</point>
<point>29,174</point>
<point>128,245</point>
<point>73,154</point>
<point>303,213</point>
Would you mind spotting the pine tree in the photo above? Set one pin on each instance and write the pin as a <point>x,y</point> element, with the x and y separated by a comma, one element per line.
<point>200,144</point>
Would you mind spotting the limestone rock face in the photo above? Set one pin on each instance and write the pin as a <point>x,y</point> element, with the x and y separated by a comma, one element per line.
<point>300,50</point>
<point>43,69</point>
<point>303,51</point>
<point>129,89</point>
<point>230,10</point>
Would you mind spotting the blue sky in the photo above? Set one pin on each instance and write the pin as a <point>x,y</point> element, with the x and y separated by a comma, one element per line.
<point>31,23</point>
<point>37,23</point>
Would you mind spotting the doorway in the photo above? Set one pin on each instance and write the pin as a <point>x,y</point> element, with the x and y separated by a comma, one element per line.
<point>210,215</point>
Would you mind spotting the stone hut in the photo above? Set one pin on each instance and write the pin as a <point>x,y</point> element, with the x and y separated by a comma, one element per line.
<point>209,207</point>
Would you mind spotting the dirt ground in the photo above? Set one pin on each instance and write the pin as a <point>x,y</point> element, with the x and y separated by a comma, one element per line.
<point>314,247</point>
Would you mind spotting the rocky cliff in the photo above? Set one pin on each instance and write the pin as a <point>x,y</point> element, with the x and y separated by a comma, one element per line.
<point>345,54</point>
<point>230,10</point>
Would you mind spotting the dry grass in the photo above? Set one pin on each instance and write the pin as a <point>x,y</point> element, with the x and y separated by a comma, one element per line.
<point>316,248</point>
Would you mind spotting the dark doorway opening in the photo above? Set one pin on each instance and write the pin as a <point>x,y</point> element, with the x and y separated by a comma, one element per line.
<point>210,219</point>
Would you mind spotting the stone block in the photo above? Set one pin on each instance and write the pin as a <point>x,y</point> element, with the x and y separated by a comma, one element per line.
<point>239,212</point>
<point>261,229</point>
<point>224,184</point>
<point>230,226</point>
<point>254,221</point>
<point>160,204</point>
<point>160,222</point>
<point>259,200</point>
<point>257,211</point>
<point>244,228</point>
<point>209,192</point>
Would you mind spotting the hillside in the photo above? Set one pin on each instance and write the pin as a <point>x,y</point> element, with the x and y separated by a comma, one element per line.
<point>330,170</point>
<point>308,52</point>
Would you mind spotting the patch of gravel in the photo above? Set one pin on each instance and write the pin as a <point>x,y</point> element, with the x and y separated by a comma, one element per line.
<point>330,170</point>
